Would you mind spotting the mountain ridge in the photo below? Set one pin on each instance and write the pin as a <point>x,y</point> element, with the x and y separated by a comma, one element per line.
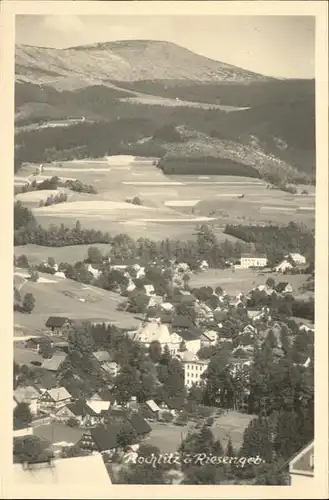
<point>130,60</point>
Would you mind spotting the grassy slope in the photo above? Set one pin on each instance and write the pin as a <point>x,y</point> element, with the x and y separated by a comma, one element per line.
<point>62,299</point>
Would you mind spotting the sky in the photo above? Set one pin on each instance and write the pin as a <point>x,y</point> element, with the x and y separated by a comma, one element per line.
<point>279,46</point>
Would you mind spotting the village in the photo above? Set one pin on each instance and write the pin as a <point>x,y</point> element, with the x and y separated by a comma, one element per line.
<point>75,411</point>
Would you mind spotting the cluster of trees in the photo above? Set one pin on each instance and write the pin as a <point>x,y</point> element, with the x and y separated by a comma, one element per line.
<point>283,306</point>
<point>125,248</point>
<point>55,182</point>
<point>205,165</point>
<point>25,304</point>
<point>276,241</point>
<point>53,200</point>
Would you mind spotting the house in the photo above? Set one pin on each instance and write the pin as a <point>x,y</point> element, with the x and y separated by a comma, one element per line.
<point>167,306</point>
<point>53,364</point>
<point>209,338</point>
<point>301,467</point>
<point>155,300</point>
<point>251,260</point>
<point>58,324</point>
<point>64,472</point>
<point>80,411</point>
<point>249,329</point>
<point>174,405</point>
<point>101,401</point>
<point>60,274</point>
<point>29,395</point>
<point>53,399</point>
<point>106,363</point>
<point>142,428</point>
<point>95,272</point>
<point>191,338</point>
<point>204,266</point>
<point>37,342</point>
<point>193,368</point>
<point>153,407</point>
<point>183,298</point>
<point>284,266</point>
<point>182,322</point>
<point>154,330</point>
<point>297,258</point>
<point>149,290</point>
<point>284,287</point>
<point>305,328</point>
<point>103,439</point>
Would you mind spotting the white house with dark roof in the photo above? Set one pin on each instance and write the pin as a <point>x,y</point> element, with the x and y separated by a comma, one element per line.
<point>193,368</point>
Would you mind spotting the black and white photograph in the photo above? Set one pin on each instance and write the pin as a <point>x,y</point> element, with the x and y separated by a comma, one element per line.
<point>164,191</point>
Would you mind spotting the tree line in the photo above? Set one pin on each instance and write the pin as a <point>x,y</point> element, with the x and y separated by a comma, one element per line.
<point>276,241</point>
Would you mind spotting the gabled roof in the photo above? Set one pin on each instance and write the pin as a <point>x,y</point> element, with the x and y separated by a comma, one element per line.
<point>182,322</point>
<point>54,362</point>
<point>56,321</point>
<point>59,394</point>
<point>183,299</point>
<point>102,356</point>
<point>190,334</point>
<point>80,409</point>
<point>174,403</point>
<point>98,406</point>
<point>106,395</point>
<point>139,424</point>
<point>152,405</point>
<point>105,438</point>
<point>281,286</point>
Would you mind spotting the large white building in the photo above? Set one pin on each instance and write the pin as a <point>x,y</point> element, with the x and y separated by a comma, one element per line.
<point>156,331</point>
<point>251,260</point>
<point>193,368</point>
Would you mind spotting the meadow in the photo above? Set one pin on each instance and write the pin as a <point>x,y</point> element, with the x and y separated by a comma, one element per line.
<point>230,425</point>
<point>64,297</point>
<point>171,205</point>
<point>242,280</point>
<point>71,254</point>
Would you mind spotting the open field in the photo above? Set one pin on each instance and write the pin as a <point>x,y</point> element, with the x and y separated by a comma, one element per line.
<point>165,197</point>
<point>165,101</point>
<point>242,280</point>
<point>168,437</point>
<point>231,425</point>
<point>71,254</point>
<point>71,299</point>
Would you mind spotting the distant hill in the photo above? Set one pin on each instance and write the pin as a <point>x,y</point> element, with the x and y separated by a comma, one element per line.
<point>129,60</point>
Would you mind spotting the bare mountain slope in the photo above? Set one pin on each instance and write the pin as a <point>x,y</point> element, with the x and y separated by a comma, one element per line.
<point>130,60</point>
